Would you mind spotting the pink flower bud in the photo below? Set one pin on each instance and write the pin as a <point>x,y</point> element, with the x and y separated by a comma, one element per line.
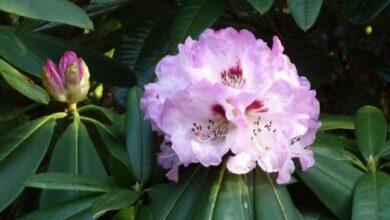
<point>69,82</point>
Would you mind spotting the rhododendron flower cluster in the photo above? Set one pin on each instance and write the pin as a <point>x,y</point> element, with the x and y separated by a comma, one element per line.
<point>229,93</point>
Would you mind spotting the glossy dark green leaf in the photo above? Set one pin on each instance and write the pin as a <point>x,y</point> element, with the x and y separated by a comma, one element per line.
<point>61,11</point>
<point>192,18</point>
<point>23,84</point>
<point>305,12</point>
<point>371,198</point>
<point>15,113</point>
<point>333,183</point>
<point>362,11</point>
<point>272,201</point>
<point>261,6</point>
<point>330,122</point>
<point>16,52</point>
<point>113,200</point>
<point>131,213</point>
<point>21,152</point>
<point>29,50</point>
<point>67,181</point>
<point>228,198</point>
<point>144,42</point>
<point>118,160</point>
<point>74,153</point>
<point>72,209</point>
<point>109,114</point>
<point>334,146</point>
<point>370,131</point>
<point>139,138</point>
<point>177,200</point>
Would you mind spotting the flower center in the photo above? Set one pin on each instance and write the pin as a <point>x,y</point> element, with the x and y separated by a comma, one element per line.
<point>233,76</point>
<point>211,130</point>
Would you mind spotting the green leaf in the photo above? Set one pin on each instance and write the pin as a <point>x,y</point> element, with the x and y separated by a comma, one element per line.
<point>362,11</point>
<point>304,12</point>
<point>131,213</point>
<point>118,161</point>
<point>370,130</point>
<point>74,153</point>
<point>144,42</point>
<point>333,183</point>
<point>15,113</point>
<point>331,122</point>
<point>228,198</point>
<point>109,114</point>
<point>261,6</point>
<point>371,198</point>
<point>29,50</point>
<point>64,210</point>
<point>139,138</point>
<point>61,11</point>
<point>272,201</point>
<point>334,146</point>
<point>125,214</point>
<point>177,200</point>
<point>192,18</point>
<point>23,84</point>
<point>113,200</point>
<point>67,181</point>
<point>21,152</point>
<point>16,52</point>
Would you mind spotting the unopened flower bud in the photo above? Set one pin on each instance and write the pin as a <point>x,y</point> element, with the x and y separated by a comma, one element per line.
<point>69,82</point>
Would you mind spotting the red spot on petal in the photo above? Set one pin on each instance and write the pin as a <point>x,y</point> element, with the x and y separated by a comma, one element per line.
<point>257,106</point>
<point>217,109</point>
<point>233,76</point>
<point>267,148</point>
<point>157,96</point>
<point>157,154</point>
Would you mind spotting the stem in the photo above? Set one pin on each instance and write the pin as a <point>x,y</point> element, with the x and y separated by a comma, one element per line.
<point>72,107</point>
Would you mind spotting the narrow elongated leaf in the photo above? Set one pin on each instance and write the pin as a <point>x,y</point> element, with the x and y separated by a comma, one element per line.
<point>65,210</point>
<point>131,213</point>
<point>228,198</point>
<point>67,181</point>
<point>139,138</point>
<point>370,130</point>
<point>371,198</point>
<point>15,113</point>
<point>333,183</point>
<point>334,146</point>
<point>113,200</point>
<point>74,153</point>
<point>362,11</point>
<point>110,114</point>
<point>330,122</point>
<point>192,18</point>
<point>144,42</point>
<point>305,12</point>
<point>272,201</point>
<point>261,6</point>
<point>21,152</point>
<point>16,52</point>
<point>61,11</point>
<point>99,65</point>
<point>177,200</point>
<point>29,50</point>
<point>23,84</point>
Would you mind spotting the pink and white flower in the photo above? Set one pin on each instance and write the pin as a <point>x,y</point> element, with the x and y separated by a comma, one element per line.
<point>229,92</point>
